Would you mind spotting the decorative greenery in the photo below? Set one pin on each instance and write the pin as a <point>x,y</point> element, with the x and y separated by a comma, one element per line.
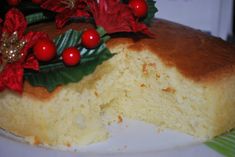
<point>151,11</point>
<point>68,39</point>
<point>56,73</point>
<point>36,17</point>
<point>224,144</point>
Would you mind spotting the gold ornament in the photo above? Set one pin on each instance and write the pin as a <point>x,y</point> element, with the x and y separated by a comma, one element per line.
<point>69,3</point>
<point>10,47</point>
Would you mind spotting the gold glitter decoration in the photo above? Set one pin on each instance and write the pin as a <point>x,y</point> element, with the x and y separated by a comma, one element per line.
<point>10,47</point>
<point>69,3</point>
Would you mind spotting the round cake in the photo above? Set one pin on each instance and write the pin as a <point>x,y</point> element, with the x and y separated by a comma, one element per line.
<point>181,79</point>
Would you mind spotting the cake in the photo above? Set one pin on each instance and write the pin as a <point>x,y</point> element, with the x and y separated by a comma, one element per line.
<point>181,79</point>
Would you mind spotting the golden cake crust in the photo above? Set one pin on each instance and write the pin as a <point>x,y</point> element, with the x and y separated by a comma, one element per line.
<point>194,54</point>
<point>41,93</point>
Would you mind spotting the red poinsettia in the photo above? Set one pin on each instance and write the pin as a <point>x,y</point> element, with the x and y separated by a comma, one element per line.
<point>66,10</point>
<point>0,27</point>
<point>14,39</point>
<point>115,16</point>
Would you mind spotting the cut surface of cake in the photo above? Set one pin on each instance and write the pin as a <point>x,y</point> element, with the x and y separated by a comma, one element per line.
<point>182,79</point>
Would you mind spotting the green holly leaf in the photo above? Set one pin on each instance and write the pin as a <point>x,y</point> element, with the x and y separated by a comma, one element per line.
<point>56,73</point>
<point>70,38</point>
<point>151,11</point>
<point>36,17</point>
<point>52,76</point>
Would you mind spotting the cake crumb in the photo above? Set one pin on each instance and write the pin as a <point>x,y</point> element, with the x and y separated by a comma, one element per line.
<point>169,90</point>
<point>120,120</point>
<point>37,140</point>
<point>153,65</point>
<point>142,85</point>
<point>158,76</point>
<point>68,144</point>
<point>144,69</point>
<point>184,97</point>
<point>96,94</point>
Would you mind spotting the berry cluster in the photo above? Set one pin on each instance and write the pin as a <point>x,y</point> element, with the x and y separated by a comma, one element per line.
<point>45,50</point>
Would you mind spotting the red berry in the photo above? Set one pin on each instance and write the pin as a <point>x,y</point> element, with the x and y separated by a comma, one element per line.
<point>139,7</point>
<point>13,2</point>
<point>38,1</point>
<point>71,56</point>
<point>44,50</point>
<point>90,38</point>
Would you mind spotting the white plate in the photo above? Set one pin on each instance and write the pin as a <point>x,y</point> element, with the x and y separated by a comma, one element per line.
<point>128,139</point>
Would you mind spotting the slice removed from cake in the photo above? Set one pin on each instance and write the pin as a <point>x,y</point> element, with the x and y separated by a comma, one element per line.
<point>182,79</point>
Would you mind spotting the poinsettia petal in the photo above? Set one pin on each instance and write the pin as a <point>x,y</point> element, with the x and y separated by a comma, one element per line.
<point>108,14</point>
<point>14,21</point>
<point>55,6</point>
<point>60,6</point>
<point>64,17</point>
<point>31,63</point>
<point>66,11</point>
<point>115,16</point>
<point>12,77</point>
<point>140,27</point>
<point>2,87</point>
<point>31,38</point>
<point>0,28</point>
<point>81,13</point>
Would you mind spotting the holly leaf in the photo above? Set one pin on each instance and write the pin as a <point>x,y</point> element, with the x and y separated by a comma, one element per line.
<point>51,78</point>
<point>36,17</point>
<point>56,73</point>
<point>151,11</point>
<point>69,39</point>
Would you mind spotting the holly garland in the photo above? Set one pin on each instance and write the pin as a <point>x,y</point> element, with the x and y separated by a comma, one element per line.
<point>57,72</point>
<point>72,55</point>
<point>36,17</point>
